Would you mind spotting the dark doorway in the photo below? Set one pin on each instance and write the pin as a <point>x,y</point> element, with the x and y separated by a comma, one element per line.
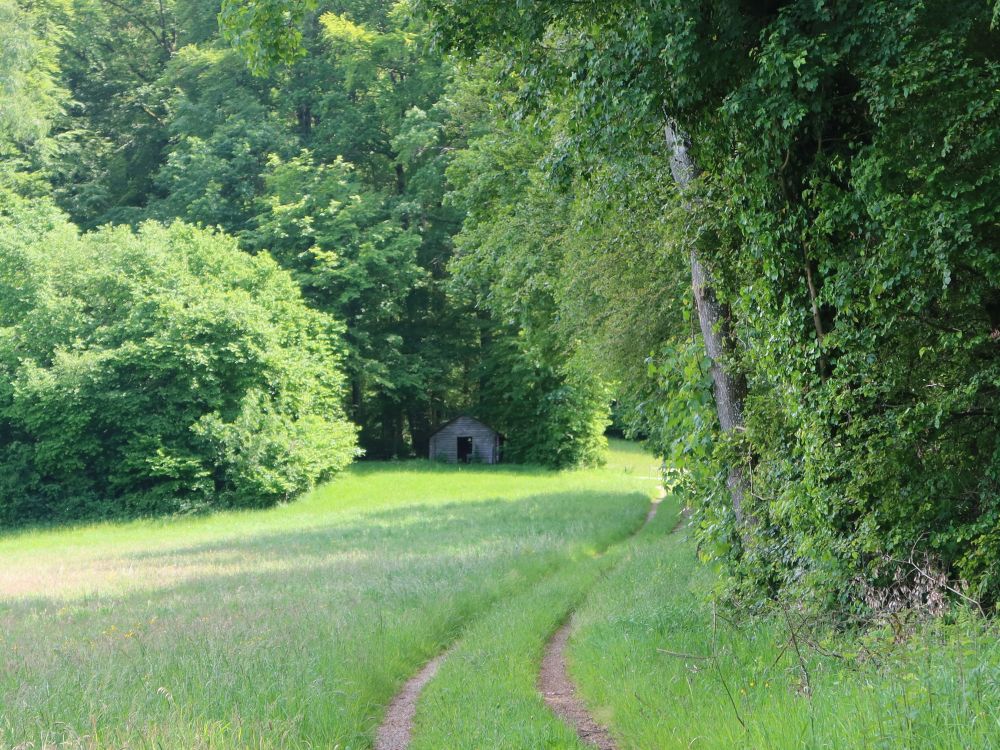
<point>464,450</point>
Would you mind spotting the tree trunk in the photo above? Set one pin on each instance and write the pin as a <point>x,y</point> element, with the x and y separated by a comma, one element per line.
<point>714,318</point>
<point>420,431</point>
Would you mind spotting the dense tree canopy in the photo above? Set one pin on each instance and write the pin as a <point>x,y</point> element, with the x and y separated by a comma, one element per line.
<point>846,204</point>
<point>163,370</point>
<point>30,96</point>
<point>767,230</point>
<point>142,114</point>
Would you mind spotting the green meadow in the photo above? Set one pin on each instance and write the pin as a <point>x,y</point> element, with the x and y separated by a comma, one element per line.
<point>294,627</point>
<point>291,627</point>
<point>656,661</point>
<point>246,243</point>
<point>659,665</point>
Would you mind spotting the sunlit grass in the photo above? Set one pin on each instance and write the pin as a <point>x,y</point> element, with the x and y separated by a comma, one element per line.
<point>639,657</point>
<point>485,695</point>
<point>291,627</point>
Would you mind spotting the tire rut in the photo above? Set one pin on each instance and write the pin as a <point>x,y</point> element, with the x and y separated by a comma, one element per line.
<point>396,730</point>
<point>557,688</point>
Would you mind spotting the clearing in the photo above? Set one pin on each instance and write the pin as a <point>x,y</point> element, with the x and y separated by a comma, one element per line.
<point>291,627</point>
<point>295,627</point>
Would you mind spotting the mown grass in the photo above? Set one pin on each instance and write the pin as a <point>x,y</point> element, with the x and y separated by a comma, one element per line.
<point>291,627</point>
<point>643,635</point>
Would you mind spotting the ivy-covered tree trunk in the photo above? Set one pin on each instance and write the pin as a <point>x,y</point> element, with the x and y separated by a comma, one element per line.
<point>714,318</point>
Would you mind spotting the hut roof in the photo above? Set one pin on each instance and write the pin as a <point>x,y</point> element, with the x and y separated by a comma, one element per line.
<point>463,416</point>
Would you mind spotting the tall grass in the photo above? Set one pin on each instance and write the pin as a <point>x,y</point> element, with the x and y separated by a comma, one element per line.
<point>664,669</point>
<point>485,695</point>
<point>284,628</point>
<point>294,627</point>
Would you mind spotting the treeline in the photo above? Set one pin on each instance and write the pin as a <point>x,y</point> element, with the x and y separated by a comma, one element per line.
<point>792,209</point>
<point>277,275</point>
<point>776,227</point>
<point>770,231</point>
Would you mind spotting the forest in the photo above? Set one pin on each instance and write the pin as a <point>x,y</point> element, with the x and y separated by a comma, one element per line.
<point>243,245</point>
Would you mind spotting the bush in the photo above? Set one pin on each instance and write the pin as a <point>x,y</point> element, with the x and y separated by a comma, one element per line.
<point>550,417</point>
<point>157,372</point>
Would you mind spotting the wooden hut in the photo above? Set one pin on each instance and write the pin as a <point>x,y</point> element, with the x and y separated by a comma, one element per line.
<point>465,440</point>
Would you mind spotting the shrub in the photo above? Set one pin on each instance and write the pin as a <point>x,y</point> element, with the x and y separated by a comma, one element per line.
<point>550,417</point>
<point>157,371</point>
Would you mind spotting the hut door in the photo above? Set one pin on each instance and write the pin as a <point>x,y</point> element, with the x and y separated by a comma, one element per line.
<point>464,449</point>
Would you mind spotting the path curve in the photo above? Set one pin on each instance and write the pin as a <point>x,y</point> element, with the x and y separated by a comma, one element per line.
<point>557,688</point>
<point>397,726</point>
<point>560,694</point>
<point>396,729</point>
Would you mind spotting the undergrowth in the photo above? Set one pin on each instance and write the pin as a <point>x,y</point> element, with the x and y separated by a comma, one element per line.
<point>665,668</point>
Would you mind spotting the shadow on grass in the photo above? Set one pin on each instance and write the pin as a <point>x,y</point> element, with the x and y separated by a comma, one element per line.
<point>423,464</point>
<point>359,469</point>
<point>540,524</point>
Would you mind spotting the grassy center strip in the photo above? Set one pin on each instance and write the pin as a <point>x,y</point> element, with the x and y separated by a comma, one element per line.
<point>558,690</point>
<point>485,694</point>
